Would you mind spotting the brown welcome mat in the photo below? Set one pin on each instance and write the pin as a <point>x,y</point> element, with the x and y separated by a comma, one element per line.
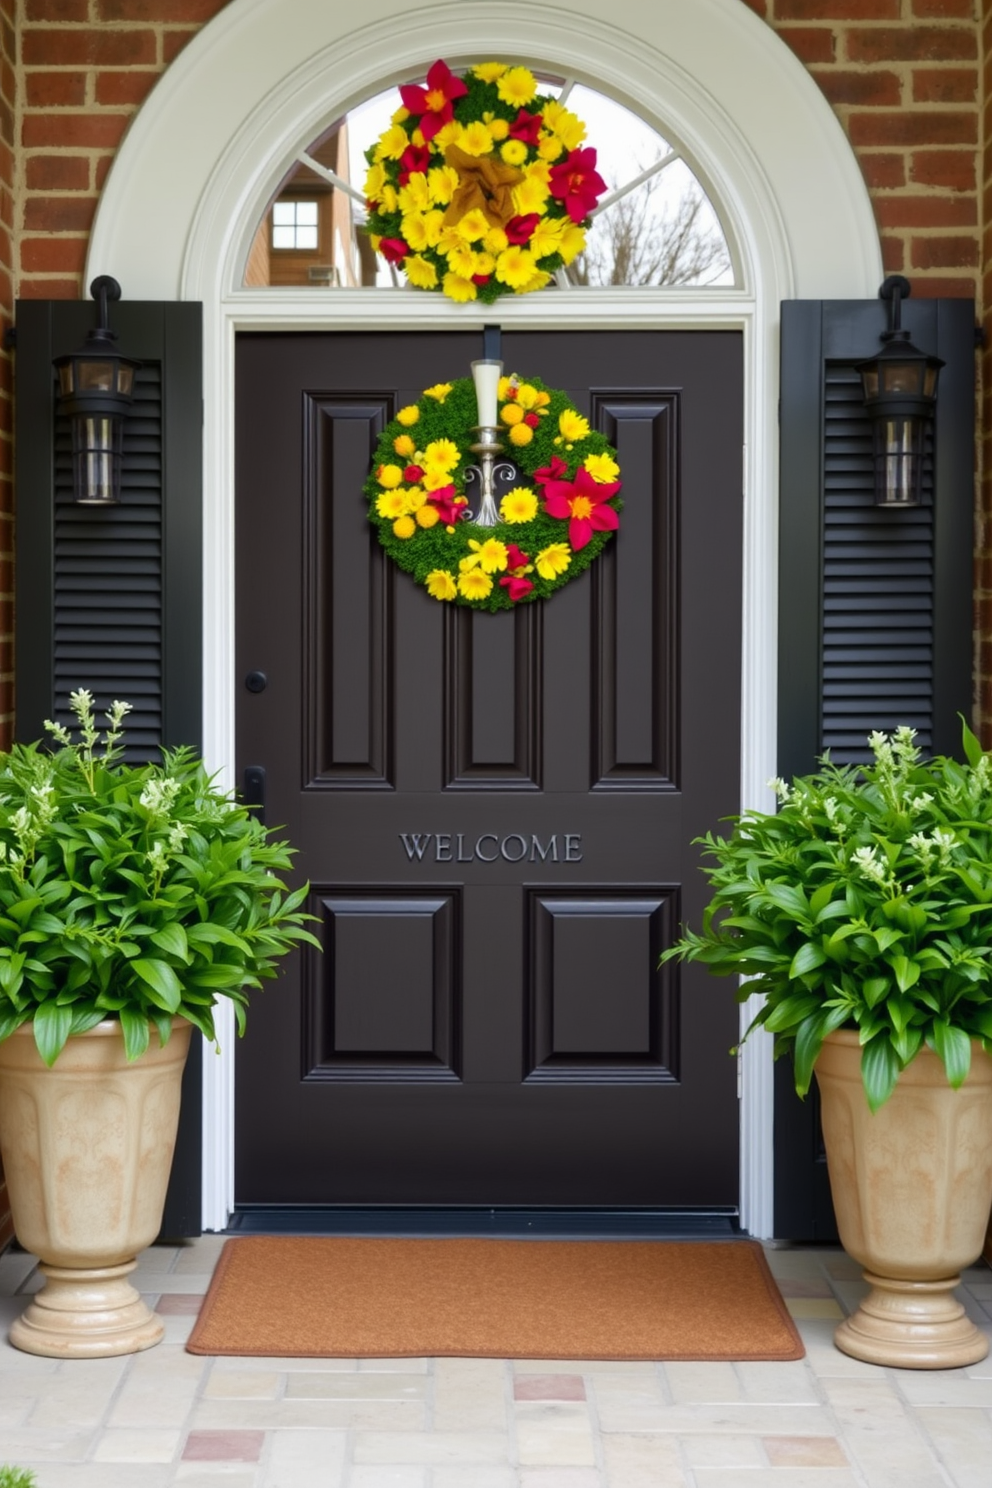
<point>505,1299</point>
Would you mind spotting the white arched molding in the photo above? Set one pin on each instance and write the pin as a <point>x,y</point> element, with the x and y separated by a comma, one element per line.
<point>208,148</point>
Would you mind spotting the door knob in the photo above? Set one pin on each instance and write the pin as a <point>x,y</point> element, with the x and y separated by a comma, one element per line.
<point>256,681</point>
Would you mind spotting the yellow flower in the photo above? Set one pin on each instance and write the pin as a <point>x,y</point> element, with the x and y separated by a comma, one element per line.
<point>511,414</point>
<point>491,555</point>
<point>602,468</point>
<point>519,505</point>
<point>391,504</point>
<point>517,86</point>
<point>573,240</point>
<point>572,425</point>
<point>375,179</point>
<point>521,434</point>
<point>401,115</point>
<point>553,560</point>
<point>475,139</point>
<point>421,274</point>
<point>414,230</point>
<point>409,415</point>
<point>514,152</point>
<point>484,263</point>
<point>461,257</point>
<point>427,516</point>
<point>458,289</point>
<point>489,71</point>
<point>548,147</point>
<point>443,183</point>
<point>446,136</point>
<point>404,527</point>
<point>415,196</point>
<point>563,124</point>
<point>496,240</point>
<point>436,477</point>
<point>473,226</point>
<point>530,195</point>
<point>450,239</point>
<point>417,137</point>
<point>392,144</point>
<point>388,199</point>
<point>441,584</point>
<point>404,445</point>
<point>506,383</point>
<point>498,128</point>
<point>474,585</point>
<point>527,396</point>
<point>546,237</point>
<point>415,498</point>
<point>389,476</point>
<point>539,280</point>
<point>515,266</point>
<point>443,452</point>
<point>440,391</point>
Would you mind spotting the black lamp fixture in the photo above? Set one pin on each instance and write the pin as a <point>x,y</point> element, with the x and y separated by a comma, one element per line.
<point>900,392</point>
<point>96,385</point>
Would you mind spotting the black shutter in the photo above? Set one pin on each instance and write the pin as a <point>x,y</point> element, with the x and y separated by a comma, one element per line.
<point>112,599</point>
<point>875,606</point>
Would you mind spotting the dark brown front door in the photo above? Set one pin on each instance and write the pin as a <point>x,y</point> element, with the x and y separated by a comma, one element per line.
<point>495,811</point>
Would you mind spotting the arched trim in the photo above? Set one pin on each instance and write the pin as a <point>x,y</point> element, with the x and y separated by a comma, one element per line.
<point>217,134</point>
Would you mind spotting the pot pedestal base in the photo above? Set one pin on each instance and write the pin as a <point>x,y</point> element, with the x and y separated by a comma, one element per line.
<point>87,1314</point>
<point>912,1325</point>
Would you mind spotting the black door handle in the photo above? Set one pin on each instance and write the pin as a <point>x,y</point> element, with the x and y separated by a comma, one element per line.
<point>254,791</point>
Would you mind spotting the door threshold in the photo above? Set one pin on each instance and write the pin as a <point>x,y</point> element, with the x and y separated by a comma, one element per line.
<point>475,1222</point>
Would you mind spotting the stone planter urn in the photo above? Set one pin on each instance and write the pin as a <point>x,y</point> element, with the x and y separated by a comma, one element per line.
<point>87,1149</point>
<point>912,1189</point>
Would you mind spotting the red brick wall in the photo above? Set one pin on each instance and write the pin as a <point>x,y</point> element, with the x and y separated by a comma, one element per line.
<point>983,534</point>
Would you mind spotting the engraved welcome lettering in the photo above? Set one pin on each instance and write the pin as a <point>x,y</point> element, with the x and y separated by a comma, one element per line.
<point>490,847</point>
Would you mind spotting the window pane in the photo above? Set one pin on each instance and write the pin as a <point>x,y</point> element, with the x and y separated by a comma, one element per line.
<point>663,231</point>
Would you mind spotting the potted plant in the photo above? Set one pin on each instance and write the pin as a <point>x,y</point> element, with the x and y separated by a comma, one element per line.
<point>861,912</point>
<point>131,898</point>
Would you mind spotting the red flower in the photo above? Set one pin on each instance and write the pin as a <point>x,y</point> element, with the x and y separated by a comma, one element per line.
<point>577,183</point>
<point>481,278</point>
<point>526,127</point>
<point>520,230</point>
<point>552,472</point>
<point>435,101</point>
<point>532,420</point>
<point>515,559</point>
<point>393,250</point>
<point>581,502</point>
<point>414,158</point>
<point>413,474</point>
<point>517,587</point>
<point>451,508</point>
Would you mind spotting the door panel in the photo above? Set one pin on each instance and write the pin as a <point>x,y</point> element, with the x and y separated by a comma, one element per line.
<point>495,811</point>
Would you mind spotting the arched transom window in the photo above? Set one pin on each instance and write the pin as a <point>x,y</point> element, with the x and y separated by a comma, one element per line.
<point>655,225</point>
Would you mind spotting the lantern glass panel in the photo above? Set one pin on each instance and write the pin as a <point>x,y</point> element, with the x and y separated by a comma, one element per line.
<point>97,447</point>
<point>869,380</point>
<point>903,377</point>
<point>66,378</point>
<point>125,380</point>
<point>95,377</point>
<point>898,444</point>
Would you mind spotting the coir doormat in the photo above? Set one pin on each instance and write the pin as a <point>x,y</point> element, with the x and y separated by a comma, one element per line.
<point>320,1297</point>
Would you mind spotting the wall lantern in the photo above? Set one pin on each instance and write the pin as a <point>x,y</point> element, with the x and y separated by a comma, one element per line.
<point>900,392</point>
<point>96,385</point>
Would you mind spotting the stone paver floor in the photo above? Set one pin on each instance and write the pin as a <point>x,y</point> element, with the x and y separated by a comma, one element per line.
<point>166,1417</point>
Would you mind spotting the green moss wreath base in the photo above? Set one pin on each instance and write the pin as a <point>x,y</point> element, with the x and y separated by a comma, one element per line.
<point>449,412</point>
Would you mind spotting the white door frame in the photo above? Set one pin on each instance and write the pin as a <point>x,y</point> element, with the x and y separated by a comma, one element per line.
<point>207,150</point>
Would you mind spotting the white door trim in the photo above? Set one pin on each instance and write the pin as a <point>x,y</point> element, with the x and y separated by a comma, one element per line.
<point>208,148</point>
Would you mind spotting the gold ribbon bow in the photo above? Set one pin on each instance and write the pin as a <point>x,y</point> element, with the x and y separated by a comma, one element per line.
<point>484,184</point>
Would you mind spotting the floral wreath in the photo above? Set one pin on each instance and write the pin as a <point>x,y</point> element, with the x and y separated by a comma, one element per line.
<point>545,536</point>
<point>479,188</point>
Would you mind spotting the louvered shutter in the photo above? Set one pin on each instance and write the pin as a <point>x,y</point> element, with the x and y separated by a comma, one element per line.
<point>111,599</point>
<point>875,606</point>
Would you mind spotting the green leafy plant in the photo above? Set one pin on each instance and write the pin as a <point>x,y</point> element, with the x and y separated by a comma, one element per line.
<point>134,892</point>
<point>864,902</point>
<point>17,1477</point>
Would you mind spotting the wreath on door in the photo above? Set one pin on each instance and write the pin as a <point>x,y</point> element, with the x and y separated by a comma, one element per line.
<point>558,504</point>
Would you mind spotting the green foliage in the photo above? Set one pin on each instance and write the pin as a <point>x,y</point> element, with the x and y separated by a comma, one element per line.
<point>455,418</point>
<point>865,902</point>
<point>17,1477</point>
<point>131,892</point>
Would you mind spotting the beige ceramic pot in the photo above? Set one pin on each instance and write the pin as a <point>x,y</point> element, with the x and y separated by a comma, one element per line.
<point>87,1149</point>
<point>912,1189</point>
